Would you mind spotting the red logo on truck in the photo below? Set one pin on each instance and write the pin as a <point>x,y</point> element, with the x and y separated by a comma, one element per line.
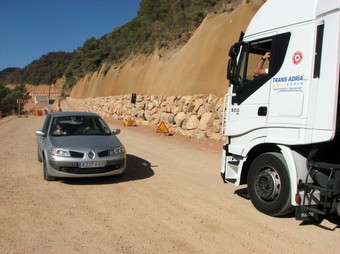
<point>297,57</point>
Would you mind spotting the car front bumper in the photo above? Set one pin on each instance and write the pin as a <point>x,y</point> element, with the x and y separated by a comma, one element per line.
<point>69,168</point>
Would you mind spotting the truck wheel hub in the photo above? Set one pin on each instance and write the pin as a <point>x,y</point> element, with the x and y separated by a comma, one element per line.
<point>267,184</point>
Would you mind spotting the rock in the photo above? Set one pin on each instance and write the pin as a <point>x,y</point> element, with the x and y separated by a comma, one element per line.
<point>199,134</point>
<point>201,111</point>
<point>213,135</point>
<point>171,100</point>
<point>192,123</point>
<point>197,104</point>
<point>179,118</point>
<point>155,118</point>
<point>150,106</point>
<point>212,99</point>
<point>187,99</point>
<point>206,119</point>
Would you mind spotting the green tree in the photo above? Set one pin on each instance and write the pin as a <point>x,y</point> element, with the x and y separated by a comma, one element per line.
<point>8,98</point>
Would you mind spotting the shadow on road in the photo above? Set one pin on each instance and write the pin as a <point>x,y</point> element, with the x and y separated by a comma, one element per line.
<point>136,169</point>
<point>242,193</point>
<point>333,219</point>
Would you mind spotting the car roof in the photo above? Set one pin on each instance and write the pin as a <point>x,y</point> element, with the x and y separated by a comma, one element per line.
<point>73,113</point>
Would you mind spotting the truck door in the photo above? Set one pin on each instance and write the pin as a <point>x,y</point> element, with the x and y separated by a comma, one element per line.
<point>249,92</point>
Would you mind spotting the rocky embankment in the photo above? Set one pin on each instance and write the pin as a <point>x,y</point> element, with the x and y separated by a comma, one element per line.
<point>197,116</point>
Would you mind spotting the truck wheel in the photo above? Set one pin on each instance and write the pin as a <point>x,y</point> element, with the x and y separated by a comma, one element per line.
<point>269,185</point>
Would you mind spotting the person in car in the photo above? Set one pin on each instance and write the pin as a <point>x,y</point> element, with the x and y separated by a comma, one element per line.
<point>58,130</point>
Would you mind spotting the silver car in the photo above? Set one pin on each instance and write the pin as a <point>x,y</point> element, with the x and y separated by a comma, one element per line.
<point>79,144</point>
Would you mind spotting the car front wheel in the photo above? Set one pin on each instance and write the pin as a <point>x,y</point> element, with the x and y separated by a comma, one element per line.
<point>47,177</point>
<point>39,156</point>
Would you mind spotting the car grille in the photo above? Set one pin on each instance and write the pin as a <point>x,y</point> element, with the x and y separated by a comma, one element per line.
<point>75,170</point>
<point>104,153</point>
<point>81,155</point>
<point>76,154</point>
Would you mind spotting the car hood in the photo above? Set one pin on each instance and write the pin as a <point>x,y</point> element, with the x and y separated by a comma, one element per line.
<point>76,142</point>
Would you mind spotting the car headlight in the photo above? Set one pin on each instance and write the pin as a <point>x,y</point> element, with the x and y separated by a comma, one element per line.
<point>59,152</point>
<point>117,150</point>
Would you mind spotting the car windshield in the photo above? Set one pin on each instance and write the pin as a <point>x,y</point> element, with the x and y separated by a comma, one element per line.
<point>78,125</point>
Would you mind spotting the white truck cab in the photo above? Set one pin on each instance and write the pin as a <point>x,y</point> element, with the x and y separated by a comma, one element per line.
<point>282,122</point>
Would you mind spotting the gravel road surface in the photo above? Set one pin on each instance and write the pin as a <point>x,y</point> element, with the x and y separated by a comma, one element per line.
<point>171,200</point>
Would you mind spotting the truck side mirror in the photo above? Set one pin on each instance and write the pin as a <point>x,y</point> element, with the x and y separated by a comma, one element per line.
<point>231,72</point>
<point>234,50</point>
<point>231,69</point>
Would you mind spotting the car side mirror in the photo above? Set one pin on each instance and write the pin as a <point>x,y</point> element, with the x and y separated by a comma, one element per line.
<point>116,131</point>
<point>40,133</point>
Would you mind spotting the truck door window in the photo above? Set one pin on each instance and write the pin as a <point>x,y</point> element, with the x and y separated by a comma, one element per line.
<point>257,51</point>
<point>250,57</point>
<point>244,80</point>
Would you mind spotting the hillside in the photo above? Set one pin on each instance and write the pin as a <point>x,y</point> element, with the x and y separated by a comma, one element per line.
<point>196,68</point>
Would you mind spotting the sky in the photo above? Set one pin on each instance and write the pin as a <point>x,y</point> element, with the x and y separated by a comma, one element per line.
<point>32,28</point>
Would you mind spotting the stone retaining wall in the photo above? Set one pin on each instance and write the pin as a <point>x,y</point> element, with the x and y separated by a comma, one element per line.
<point>195,116</point>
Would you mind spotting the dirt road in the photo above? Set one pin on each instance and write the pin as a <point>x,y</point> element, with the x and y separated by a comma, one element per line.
<point>171,200</point>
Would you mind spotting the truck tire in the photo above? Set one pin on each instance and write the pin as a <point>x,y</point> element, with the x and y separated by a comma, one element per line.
<point>269,185</point>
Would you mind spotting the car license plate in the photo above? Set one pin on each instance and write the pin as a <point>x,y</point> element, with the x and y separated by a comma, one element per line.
<point>92,164</point>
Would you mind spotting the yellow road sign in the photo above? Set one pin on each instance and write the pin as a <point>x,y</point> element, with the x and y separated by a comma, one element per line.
<point>162,128</point>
